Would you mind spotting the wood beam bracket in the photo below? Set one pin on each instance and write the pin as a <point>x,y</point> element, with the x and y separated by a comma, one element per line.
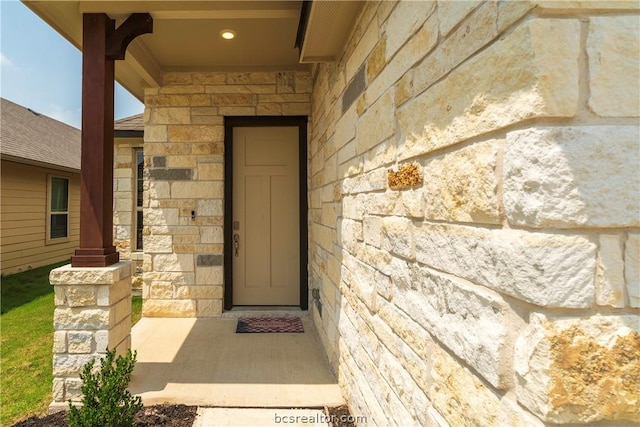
<point>135,25</point>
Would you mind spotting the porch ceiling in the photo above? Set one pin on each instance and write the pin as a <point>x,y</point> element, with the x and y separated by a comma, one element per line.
<point>186,35</point>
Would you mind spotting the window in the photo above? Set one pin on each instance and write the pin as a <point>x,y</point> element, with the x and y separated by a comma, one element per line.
<point>58,212</point>
<point>139,155</point>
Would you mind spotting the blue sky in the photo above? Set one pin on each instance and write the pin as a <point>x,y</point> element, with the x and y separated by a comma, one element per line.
<point>41,70</point>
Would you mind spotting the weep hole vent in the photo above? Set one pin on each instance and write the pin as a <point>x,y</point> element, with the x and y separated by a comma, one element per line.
<point>408,176</point>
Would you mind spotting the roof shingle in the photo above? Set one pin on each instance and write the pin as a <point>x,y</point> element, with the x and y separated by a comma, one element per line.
<point>130,123</point>
<point>31,136</point>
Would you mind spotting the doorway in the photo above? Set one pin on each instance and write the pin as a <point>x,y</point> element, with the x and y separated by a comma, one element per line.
<point>266,212</point>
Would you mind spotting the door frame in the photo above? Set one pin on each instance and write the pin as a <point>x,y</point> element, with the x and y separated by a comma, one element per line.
<point>265,121</point>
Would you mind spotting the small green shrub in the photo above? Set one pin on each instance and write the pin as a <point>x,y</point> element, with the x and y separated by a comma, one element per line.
<point>106,400</point>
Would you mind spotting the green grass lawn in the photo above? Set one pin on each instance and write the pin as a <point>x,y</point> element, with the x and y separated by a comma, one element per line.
<point>26,331</point>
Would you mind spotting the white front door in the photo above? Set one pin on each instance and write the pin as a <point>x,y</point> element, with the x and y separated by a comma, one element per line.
<point>266,212</point>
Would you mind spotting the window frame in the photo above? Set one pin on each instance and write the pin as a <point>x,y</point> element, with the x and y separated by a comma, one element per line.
<point>56,240</point>
<point>136,209</point>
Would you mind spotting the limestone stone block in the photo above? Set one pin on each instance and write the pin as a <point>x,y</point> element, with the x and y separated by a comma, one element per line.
<point>610,287</point>
<point>372,230</point>
<point>184,161</point>
<point>404,89</point>
<point>155,133</point>
<point>377,60</point>
<point>449,308</point>
<point>209,307</point>
<point>156,217</point>
<point>59,294</point>
<point>397,235</point>
<point>73,388</point>
<point>462,186</point>
<point>67,275</point>
<point>613,49</point>
<point>411,398</point>
<point>159,190</point>
<point>403,22</point>
<point>205,148</point>
<point>377,124</point>
<point>572,177</point>
<point>285,98</point>
<point>80,341</point>
<point>538,64</point>
<point>81,296</point>
<point>511,11</point>
<point>632,268</point>
<point>580,369</point>
<point>363,280</point>
<point>230,89</point>
<point>237,111</point>
<point>80,318</point>
<point>263,77</point>
<point>296,109</point>
<point>195,133</point>
<point>462,399</point>
<point>181,89</point>
<point>544,269</point>
<point>211,235</point>
<point>459,45</point>
<point>349,233</point>
<point>210,171</point>
<point>170,116</point>
<point>198,190</point>
<point>178,100</point>
<point>173,262</point>
<point>120,336</point>
<point>209,276</point>
<point>450,13</point>
<point>161,290</point>
<point>180,78</point>
<point>199,292</point>
<point>361,52</point>
<point>158,244</point>
<point>210,207</point>
<point>169,308</point>
<point>269,109</point>
<point>411,53</point>
<point>58,390</point>
<point>60,342</point>
<point>375,180</point>
<point>102,341</point>
<point>108,295</point>
<point>209,78</point>
<point>303,82</point>
<point>70,365</point>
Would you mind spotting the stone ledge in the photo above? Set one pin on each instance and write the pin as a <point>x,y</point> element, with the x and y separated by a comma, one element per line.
<point>67,275</point>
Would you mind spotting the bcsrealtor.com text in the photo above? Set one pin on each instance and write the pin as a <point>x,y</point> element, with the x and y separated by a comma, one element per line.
<point>319,418</point>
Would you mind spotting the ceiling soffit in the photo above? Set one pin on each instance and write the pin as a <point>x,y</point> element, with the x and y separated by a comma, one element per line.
<point>186,35</point>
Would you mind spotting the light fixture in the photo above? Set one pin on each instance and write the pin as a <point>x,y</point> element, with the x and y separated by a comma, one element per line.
<point>227,34</point>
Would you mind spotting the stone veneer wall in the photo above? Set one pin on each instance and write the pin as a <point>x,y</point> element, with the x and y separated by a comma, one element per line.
<point>499,285</point>
<point>183,147</point>
<point>93,314</point>
<point>124,199</point>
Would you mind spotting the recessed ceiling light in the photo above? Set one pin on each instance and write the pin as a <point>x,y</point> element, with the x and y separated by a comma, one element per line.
<point>227,34</point>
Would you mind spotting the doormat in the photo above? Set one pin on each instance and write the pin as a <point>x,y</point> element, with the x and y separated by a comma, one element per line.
<point>257,325</point>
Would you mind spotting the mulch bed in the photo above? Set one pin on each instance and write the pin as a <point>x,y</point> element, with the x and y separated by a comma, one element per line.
<point>170,416</point>
<point>150,416</point>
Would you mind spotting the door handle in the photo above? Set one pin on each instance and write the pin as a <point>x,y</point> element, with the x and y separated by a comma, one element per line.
<point>236,244</point>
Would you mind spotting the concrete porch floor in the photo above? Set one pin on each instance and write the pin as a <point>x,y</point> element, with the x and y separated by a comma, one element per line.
<point>204,362</point>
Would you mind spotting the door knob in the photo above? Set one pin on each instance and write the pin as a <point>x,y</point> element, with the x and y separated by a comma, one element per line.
<point>236,244</point>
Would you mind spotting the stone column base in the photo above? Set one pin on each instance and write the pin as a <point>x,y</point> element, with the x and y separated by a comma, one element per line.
<point>93,314</point>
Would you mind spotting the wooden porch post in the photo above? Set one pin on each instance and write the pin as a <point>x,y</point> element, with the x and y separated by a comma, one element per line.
<point>102,44</point>
<point>96,193</point>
